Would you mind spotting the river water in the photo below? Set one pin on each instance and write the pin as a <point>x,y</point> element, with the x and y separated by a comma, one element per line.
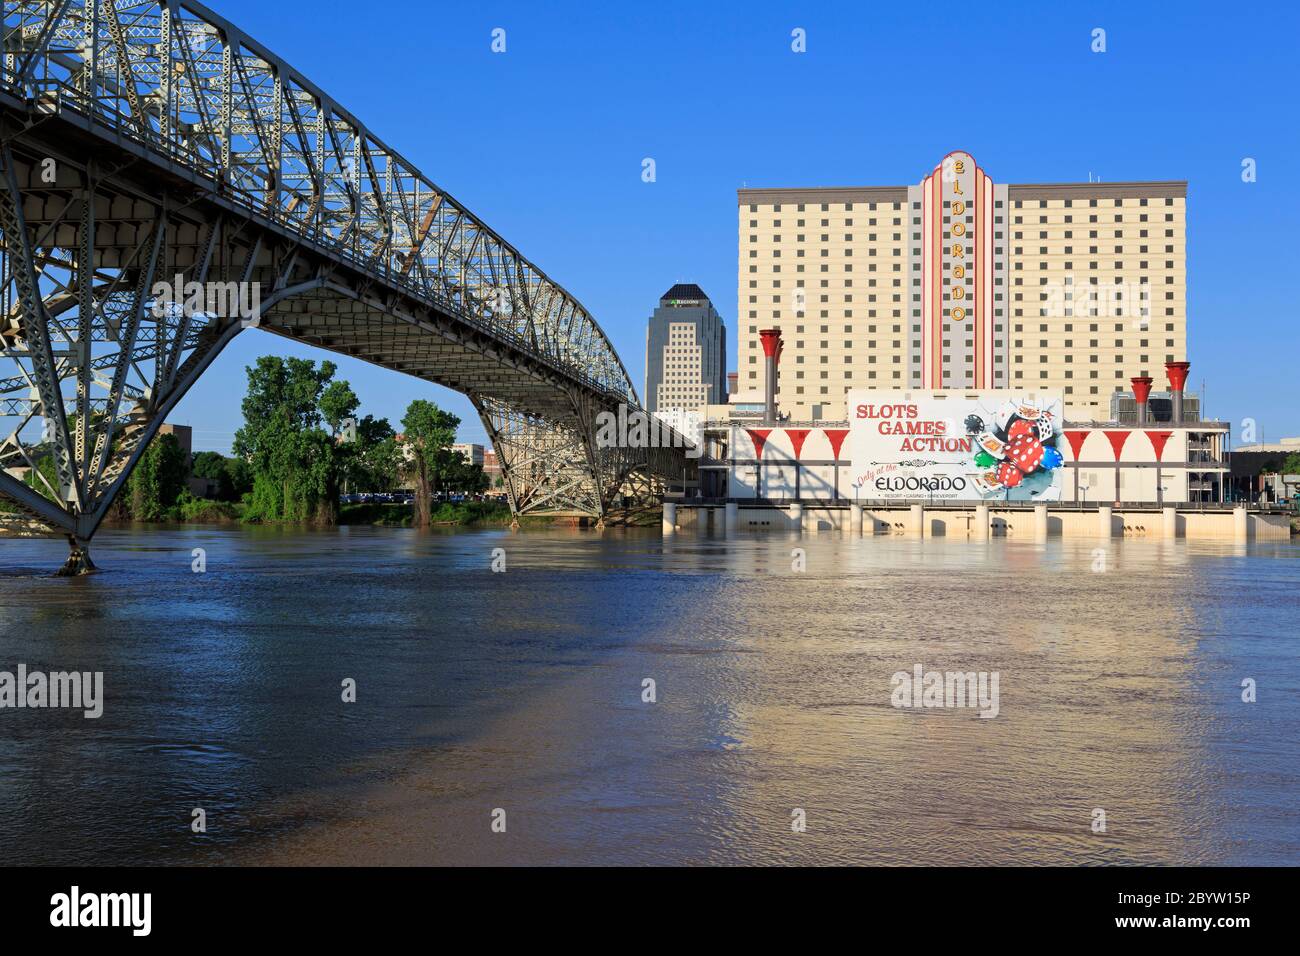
<point>517,696</point>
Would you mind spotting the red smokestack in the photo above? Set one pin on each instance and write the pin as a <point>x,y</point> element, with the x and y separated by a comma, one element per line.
<point>1141,392</point>
<point>772,351</point>
<point>1177,372</point>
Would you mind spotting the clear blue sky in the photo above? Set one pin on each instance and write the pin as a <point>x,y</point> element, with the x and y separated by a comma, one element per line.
<point>545,143</point>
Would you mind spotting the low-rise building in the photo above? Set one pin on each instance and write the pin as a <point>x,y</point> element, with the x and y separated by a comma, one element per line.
<point>949,446</point>
<point>473,453</point>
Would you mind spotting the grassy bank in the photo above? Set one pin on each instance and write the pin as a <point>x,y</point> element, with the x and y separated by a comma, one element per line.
<point>205,510</point>
<point>446,513</point>
<point>189,510</point>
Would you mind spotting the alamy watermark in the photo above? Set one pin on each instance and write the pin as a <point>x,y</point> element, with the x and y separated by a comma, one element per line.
<point>133,911</point>
<point>639,429</point>
<point>1091,300</point>
<point>923,688</point>
<point>78,690</point>
<point>227,300</point>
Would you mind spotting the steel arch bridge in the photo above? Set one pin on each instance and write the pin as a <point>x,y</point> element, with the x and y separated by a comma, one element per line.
<point>147,141</point>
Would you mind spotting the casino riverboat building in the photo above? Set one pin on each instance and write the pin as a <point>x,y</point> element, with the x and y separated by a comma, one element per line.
<point>1017,329</point>
<point>961,281</point>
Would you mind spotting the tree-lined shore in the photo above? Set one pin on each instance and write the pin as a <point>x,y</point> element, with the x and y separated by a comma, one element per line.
<point>302,444</point>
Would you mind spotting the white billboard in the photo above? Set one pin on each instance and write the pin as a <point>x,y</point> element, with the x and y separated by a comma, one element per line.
<point>989,445</point>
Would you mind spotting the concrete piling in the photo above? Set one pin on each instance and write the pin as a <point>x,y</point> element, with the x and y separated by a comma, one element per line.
<point>981,521</point>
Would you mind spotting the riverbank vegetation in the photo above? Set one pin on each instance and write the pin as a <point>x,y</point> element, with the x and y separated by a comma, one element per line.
<point>443,513</point>
<point>302,445</point>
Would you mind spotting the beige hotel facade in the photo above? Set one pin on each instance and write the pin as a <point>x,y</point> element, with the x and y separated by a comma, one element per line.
<point>962,282</point>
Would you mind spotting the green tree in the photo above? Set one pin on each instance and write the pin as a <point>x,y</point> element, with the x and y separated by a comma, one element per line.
<point>294,462</point>
<point>209,464</point>
<point>429,432</point>
<point>240,474</point>
<point>158,479</point>
<point>337,403</point>
<point>375,457</point>
<point>458,473</point>
<point>231,474</point>
<point>1291,466</point>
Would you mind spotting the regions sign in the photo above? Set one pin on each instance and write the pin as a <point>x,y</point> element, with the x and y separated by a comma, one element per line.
<point>989,445</point>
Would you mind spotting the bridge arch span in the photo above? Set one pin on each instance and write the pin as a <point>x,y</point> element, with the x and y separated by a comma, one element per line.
<point>150,139</point>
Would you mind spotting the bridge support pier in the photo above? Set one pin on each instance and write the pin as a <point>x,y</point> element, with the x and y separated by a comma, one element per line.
<point>669,524</point>
<point>1240,525</point>
<point>78,562</point>
<point>796,517</point>
<point>916,524</point>
<point>1040,522</point>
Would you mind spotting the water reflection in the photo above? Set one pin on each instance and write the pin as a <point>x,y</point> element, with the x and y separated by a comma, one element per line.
<point>1120,690</point>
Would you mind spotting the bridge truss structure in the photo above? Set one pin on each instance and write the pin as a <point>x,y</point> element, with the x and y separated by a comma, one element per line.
<point>151,141</point>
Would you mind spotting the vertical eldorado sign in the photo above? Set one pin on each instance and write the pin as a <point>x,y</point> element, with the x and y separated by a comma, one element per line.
<point>989,445</point>
<point>957,264</point>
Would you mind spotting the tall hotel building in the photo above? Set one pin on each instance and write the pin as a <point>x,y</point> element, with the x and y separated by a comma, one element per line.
<point>960,282</point>
<point>686,354</point>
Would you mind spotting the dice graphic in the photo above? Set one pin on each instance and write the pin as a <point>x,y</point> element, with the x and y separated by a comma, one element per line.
<point>1019,427</point>
<point>1040,427</point>
<point>1008,475</point>
<point>1026,451</point>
